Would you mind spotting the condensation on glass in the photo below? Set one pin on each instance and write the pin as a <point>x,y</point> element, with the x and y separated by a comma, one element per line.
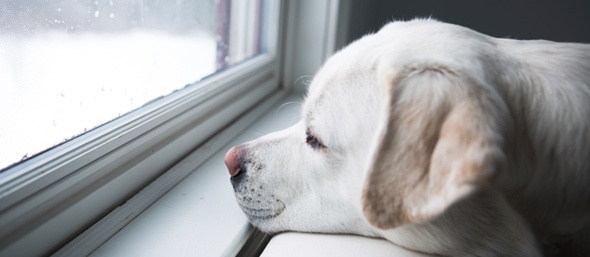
<point>67,66</point>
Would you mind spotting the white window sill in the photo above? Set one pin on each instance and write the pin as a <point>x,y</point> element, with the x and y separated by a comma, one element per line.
<point>199,216</point>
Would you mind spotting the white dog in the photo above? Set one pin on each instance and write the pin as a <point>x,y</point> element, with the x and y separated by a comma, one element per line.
<point>437,138</point>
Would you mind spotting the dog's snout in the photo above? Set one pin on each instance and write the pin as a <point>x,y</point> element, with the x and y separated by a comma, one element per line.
<point>232,161</point>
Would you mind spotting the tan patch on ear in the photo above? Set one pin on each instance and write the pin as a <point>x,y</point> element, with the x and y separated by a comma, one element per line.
<point>435,147</point>
<point>463,159</point>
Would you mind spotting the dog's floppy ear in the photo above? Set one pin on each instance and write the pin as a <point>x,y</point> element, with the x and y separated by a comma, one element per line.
<point>439,139</point>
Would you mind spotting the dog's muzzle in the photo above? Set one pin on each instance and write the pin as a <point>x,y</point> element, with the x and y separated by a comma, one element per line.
<point>256,202</point>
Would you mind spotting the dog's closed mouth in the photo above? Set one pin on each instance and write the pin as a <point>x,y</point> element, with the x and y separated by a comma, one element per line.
<point>262,214</point>
<point>260,207</point>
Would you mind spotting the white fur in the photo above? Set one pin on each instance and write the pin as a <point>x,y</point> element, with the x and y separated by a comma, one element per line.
<point>540,94</point>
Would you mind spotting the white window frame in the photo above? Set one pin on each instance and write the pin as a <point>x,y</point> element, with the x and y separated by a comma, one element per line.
<point>66,190</point>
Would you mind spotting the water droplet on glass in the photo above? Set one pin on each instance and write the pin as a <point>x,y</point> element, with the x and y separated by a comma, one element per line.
<point>96,14</point>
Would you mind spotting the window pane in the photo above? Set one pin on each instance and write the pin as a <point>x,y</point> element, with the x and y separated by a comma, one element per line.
<point>67,66</point>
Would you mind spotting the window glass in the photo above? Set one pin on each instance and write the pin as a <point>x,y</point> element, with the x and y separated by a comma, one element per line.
<point>67,66</point>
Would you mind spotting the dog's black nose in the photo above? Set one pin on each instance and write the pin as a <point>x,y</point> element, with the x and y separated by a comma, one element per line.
<point>232,161</point>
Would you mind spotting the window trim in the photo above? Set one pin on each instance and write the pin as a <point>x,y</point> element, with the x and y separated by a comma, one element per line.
<point>36,193</point>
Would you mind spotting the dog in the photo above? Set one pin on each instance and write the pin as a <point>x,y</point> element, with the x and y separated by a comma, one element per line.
<point>437,138</point>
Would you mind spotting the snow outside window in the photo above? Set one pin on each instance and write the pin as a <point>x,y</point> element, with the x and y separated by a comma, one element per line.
<point>68,66</point>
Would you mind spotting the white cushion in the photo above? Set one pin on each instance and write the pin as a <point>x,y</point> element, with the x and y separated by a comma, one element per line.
<point>301,244</point>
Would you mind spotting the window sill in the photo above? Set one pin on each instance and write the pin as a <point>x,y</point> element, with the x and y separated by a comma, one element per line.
<point>196,217</point>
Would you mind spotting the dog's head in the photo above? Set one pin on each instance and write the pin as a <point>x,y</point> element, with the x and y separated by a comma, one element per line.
<point>386,139</point>
<point>307,177</point>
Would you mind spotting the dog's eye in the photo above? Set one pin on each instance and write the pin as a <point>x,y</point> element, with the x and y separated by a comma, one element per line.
<point>313,141</point>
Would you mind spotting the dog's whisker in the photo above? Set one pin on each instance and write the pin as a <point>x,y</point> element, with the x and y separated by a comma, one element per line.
<point>306,83</point>
<point>286,104</point>
<point>263,241</point>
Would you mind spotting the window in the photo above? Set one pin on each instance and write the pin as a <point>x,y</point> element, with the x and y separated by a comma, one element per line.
<point>176,72</point>
<point>69,66</point>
